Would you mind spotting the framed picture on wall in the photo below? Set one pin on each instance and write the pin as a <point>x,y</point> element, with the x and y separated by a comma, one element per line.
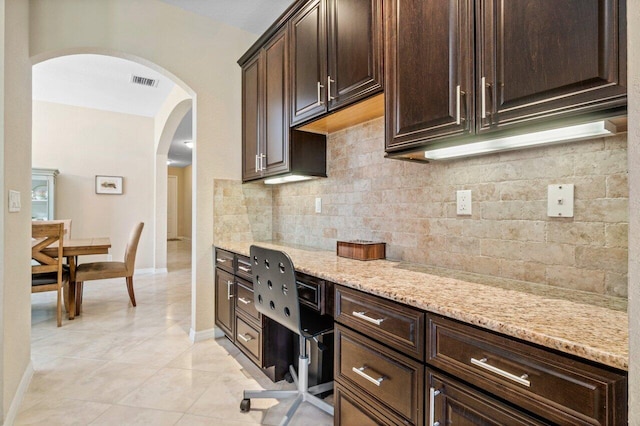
<point>109,185</point>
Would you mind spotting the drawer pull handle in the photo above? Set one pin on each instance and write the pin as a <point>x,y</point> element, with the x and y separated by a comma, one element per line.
<point>229,285</point>
<point>432,409</point>
<point>482,363</point>
<point>244,338</point>
<point>362,315</point>
<point>360,372</point>
<point>244,269</point>
<point>243,300</point>
<point>221,260</point>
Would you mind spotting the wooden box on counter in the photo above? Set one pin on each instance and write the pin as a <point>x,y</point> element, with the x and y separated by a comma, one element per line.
<point>361,249</point>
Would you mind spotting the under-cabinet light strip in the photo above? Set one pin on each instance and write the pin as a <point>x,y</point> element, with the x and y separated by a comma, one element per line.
<point>545,137</point>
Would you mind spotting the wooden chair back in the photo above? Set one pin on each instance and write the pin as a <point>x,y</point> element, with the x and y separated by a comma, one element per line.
<point>45,235</point>
<point>65,222</point>
<point>46,269</point>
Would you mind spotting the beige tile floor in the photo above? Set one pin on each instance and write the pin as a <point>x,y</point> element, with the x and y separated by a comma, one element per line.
<point>119,365</point>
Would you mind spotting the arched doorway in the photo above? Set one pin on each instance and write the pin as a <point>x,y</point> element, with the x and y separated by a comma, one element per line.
<point>146,204</point>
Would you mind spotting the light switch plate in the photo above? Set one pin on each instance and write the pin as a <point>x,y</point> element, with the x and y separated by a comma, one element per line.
<point>560,200</point>
<point>14,201</point>
<point>318,205</point>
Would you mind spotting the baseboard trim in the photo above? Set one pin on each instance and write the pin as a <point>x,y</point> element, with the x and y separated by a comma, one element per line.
<point>12,413</point>
<point>161,271</point>
<point>198,336</point>
<point>147,271</point>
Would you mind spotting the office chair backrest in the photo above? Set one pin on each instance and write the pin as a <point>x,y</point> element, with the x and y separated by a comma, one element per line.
<point>274,286</point>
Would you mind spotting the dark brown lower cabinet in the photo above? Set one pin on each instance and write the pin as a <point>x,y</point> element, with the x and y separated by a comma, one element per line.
<point>225,311</point>
<point>469,376</point>
<point>354,409</point>
<point>451,403</point>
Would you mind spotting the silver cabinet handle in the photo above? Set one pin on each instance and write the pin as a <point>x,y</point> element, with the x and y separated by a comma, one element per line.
<point>329,81</point>
<point>458,104</point>
<point>262,157</point>
<point>221,260</point>
<point>258,163</point>
<point>482,363</point>
<point>244,268</point>
<point>360,372</point>
<point>229,284</point>
<point>243,300</point>
<point>432,409</point>
<point>362,315</point>
<point>320,86</point>
<point>483,97</point>
<point>244,338</point>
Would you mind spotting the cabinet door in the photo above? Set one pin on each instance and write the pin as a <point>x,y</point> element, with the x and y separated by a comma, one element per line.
<point>354,31</point>
<point>456,404</point>
<point>428,70</point>
<point>276,111</point>
<point>225,309</point>
<point>308,62</point>
<point>251,107</point>
<point>546,59</point>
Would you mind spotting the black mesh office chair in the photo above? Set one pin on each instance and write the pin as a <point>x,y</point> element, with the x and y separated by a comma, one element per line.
<point>276,296</point>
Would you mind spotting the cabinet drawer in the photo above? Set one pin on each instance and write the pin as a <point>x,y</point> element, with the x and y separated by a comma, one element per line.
<point>387,376</point>
<point>354,409</point>
<point>457,404</point>
<point>243,267</point>
<point>224,260</point>
<point>557,387</point>
<point>244,299</point>
<point>249,340</point>
<point>393,324</point>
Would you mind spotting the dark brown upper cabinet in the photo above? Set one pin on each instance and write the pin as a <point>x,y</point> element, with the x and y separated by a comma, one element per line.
<point>428,70</point>
<point>536,63</point>
<point>336,55</point>
<point>545,59</point>
<point>269,146</point>
<point>265,106</point>
<point>251,110</point>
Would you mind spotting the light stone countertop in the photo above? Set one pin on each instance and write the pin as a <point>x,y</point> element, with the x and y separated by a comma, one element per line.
<point>587,325</point>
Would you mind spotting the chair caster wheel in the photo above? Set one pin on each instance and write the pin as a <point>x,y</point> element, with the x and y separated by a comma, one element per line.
<point>245,405</point>
<point>288,377</point>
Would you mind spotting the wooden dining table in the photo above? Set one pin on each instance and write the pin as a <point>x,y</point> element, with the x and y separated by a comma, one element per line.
<point>71,249</point>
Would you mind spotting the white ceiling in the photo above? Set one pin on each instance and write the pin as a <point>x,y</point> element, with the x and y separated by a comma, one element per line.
<point>254,16</point>
<point>103,82</point>
<point>100,82</point>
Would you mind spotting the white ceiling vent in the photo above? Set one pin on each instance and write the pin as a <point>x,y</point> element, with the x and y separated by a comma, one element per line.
<point>144,81</point>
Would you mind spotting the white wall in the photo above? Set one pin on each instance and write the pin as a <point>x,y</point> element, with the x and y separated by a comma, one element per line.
<point>82,143</point>
<point>15,228</point>
<point>202,54</point>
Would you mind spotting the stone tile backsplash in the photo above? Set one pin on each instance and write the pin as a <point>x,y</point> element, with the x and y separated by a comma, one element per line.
<point>241,212</point>
<point>412,208</point>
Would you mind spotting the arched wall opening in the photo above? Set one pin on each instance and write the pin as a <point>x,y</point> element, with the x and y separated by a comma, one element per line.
<point>164,125</point>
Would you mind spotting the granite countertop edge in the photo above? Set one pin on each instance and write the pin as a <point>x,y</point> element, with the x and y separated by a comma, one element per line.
<point>589,326</point>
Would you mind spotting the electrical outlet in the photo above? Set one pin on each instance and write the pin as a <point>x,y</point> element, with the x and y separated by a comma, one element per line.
<point>463,203</point>
<point>318,205</point>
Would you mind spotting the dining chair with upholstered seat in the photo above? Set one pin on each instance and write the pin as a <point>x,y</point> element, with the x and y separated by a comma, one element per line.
<point>47,273</point>
<point>112,269</point>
